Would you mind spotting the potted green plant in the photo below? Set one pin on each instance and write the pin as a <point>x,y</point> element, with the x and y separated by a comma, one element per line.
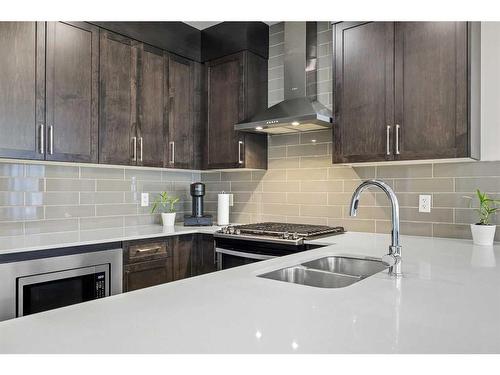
<point>166,205</point>
<point>483,233</point>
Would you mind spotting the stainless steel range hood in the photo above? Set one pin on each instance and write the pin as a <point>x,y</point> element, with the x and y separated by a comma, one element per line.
<point>300,111</point>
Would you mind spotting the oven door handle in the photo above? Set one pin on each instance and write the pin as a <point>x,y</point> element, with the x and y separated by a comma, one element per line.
<point>244,255</point>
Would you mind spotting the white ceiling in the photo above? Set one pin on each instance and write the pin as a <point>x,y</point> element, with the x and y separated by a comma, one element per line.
<point>200,25</point>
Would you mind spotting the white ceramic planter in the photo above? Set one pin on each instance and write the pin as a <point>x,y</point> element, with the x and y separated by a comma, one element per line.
<point>168,219</point>
<point>483,234</point>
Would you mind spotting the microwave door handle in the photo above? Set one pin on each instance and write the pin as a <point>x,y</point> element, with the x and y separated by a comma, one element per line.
<point>244,255</point>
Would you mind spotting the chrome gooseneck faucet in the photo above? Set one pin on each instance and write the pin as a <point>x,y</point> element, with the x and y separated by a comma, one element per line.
<point>393,259</point>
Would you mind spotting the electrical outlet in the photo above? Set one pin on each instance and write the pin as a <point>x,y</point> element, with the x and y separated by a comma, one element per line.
<point>424,203</point>
<point>144,199</point>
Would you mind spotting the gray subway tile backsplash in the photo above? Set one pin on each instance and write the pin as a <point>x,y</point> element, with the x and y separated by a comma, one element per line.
<point>11,170</point>
<point>45,198</point>
<point>63,184</point>
<point>21,184</point>
<point>51,226</point>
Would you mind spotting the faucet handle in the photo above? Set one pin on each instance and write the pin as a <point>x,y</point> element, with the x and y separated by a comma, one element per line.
<point>390,259</point>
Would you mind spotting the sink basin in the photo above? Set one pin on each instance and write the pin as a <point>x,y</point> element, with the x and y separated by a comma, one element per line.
<point>328,272</point>
<point>307,276</point>
<point>347,266</point>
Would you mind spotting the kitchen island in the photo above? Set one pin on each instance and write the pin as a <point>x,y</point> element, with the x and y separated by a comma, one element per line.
<point>447,302</point>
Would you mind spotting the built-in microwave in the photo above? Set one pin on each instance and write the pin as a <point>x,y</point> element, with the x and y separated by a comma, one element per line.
<point>40,281</point>
<point>47,291</point>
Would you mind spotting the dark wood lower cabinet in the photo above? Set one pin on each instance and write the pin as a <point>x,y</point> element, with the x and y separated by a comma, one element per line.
<point>204,260</point>
<point>184,252</point>
<point>145,274</point>
<point>194,254</point>
<point>157,261</point>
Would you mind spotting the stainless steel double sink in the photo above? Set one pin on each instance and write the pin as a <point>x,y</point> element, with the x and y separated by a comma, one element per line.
<point>328,272</point>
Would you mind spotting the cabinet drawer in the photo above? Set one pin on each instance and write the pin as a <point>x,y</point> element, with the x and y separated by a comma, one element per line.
<point>141,251</point>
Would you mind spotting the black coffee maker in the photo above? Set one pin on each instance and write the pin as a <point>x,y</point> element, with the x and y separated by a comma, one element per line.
<point>197,191</point>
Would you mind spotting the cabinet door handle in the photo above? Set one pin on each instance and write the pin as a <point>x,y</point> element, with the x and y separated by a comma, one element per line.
<point>172,152</point>
<point>140,149</point>
<point>388,140</point>
<point>42,139</point>
<point>397,139</point>
<point>240,147</point>
<point>134,148</point>
<point>51,139</point>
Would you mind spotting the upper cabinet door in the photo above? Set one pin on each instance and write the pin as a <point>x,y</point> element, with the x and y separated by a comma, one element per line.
<point>118,143</point>
<point>151,107</point>
<point>181,113</point>
<point>226,107</point>
<point>237,89</point>
<point>364,92</point>
<point>431,89</point>
<point>72,91</point>
<point>22,84</point>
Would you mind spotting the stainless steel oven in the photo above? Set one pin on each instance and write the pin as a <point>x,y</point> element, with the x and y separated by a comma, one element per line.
<point>35,285</point>
<point>234,252</point>
<point>242,244</point>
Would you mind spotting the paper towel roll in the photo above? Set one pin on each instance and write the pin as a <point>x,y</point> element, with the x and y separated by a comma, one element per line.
<point>223,203</point>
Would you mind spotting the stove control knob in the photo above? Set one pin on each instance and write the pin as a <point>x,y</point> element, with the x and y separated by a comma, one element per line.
<point>223,230</point>
<point>295,236</point>
<point>237,231</point>
<point>286,235</point>
<point>230,229</point>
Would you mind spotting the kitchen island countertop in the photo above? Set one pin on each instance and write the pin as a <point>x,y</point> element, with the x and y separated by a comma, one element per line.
<point>447,302</point>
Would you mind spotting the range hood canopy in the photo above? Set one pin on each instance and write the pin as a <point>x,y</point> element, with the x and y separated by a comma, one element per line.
<point>300,111</point>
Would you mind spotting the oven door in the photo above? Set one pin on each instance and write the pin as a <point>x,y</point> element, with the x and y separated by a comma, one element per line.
<point>231,258</point>
<point>46,291</point>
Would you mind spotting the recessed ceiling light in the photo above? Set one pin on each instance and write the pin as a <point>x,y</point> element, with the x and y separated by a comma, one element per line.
<point>313,140</point>
<point>295,123</point>
<point>259,128</point>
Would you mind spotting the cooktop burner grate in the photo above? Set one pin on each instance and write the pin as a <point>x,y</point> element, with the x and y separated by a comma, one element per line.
<point>272,228</point>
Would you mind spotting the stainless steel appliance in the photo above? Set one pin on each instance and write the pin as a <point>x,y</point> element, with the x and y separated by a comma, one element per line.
<point>243,244</point>
<point>35,285</point>
<point>197,217</point>
<point>300,111</point>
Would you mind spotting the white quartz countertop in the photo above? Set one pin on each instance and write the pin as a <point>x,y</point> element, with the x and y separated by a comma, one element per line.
<point>447,302</point>
<point>14,244</point>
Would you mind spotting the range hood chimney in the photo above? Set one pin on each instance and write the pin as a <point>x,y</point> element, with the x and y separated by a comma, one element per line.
<point>300,111</point>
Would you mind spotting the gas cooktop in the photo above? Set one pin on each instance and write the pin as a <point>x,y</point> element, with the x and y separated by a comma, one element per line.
<point>277,232</point>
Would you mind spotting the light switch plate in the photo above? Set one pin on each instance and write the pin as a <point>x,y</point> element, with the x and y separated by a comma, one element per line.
<point>424,203</point>
<point>144,199</point>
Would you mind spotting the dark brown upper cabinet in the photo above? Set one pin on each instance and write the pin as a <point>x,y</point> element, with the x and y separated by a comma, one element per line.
<point>151,107</point>
<point>236,90</point>
<point>49,101</point>
<point>364,91</point>
<point>117,99</point>
<point>401,91</point>
<point>22,98</point>
<point>431,90</point>
<point>181,113</point>
<point>132,98</point>
<point>72,91</point>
